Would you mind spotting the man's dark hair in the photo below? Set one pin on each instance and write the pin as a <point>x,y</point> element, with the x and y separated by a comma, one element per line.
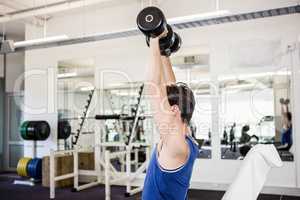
<point>181,95</point>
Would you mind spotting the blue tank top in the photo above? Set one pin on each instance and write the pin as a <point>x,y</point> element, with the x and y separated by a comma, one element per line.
<point>286,136</point>
<point>161,184</point>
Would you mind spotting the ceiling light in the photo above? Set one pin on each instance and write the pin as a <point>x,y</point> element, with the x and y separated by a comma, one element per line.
<point>191,18</point>
<point>88,88</point>
<point>40,41</point>
<point>67,75</point>
<point>242,86</point>
<point>254,75</point>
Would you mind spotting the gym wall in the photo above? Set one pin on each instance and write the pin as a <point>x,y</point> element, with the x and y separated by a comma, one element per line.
<point>1,123</point>
<point>129,55</point>
<point>1,65</point>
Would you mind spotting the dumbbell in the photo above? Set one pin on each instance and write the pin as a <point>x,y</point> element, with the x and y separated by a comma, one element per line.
<point>169,44</point>
<point>152,23</point>
<point>284,101</point>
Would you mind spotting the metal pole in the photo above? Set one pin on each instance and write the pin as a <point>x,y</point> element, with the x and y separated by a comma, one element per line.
<point>136,158</point>
<point>107,175</point>
<point>52,175</point>
<point>128,169</point>
<point>133,131</point>
<point>34,149</point>
<point>75,164</point>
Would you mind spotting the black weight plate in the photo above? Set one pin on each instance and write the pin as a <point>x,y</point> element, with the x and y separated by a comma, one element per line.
<point>30,132</point>
<point>151,21</point>
<point>42,130</point>
<point>63,129</point>
<point>177,43</point>
<point>166,42</point>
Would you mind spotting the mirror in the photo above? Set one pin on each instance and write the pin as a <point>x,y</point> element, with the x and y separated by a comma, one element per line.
<point>201,121</point>
<point>193,69</point>
<point>255,109</point>
<point>75,81</point>
<point>124,100</point>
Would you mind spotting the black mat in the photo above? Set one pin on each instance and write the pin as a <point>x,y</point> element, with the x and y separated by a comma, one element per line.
<point>9,191</point>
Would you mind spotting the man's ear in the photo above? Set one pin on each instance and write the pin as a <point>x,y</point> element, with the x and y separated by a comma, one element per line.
<point>175,109</point>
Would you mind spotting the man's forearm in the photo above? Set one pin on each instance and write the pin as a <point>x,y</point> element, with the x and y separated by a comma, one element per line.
<point>168,72</point>
<point>155,62</point>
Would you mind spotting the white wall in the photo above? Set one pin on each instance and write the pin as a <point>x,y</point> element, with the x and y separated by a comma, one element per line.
<point>130,55</point>
<point>15,66</point>
<point>14,70</point>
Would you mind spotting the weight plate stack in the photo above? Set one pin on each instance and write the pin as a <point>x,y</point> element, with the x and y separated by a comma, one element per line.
<point>34,168</point>
<point>35,130</point>
<point>22,166</point>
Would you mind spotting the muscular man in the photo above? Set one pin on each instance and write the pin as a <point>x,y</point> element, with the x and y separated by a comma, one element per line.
<point>170,168</point>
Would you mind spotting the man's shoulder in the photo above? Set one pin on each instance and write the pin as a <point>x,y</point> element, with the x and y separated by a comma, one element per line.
<point>178,146</point>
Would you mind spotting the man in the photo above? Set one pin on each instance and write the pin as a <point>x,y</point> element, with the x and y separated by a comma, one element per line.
<point>232,137</point>
<point>170,168</point>
<point>287,130</point>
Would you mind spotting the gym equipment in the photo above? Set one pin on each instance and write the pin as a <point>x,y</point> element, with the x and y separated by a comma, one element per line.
<point>169,44</point>
<point>34,168</point>
<point>22,166</point>
<point>245,149</point>
<point>63,130</point>
<point>177,44</point>
<point>83,118</point>
<point>23,130</point>
<point>152,23</point>
<point>284,101</point>
<point>117,117</point>
<point>35,130</point>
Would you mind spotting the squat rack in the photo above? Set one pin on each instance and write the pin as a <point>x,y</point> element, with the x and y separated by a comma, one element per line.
<point>104,171</point>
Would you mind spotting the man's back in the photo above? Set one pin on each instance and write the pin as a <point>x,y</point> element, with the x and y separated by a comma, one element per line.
<point>169,184</point>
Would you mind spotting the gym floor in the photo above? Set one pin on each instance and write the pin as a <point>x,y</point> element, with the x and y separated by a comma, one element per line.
<point>9,191</point>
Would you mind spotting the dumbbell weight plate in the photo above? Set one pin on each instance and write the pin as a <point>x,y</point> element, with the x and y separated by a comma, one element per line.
<point>287,101</point>
<point>165,43</point>
<point>177,43</point>
<point>151,21</point>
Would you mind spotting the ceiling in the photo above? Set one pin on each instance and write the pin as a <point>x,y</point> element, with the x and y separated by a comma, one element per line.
<point>16,28</point>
